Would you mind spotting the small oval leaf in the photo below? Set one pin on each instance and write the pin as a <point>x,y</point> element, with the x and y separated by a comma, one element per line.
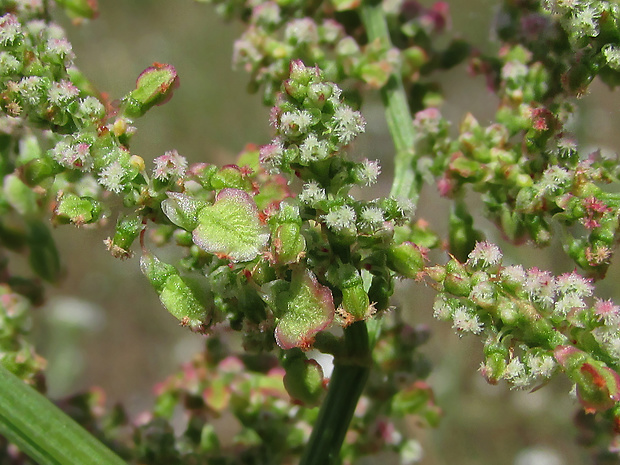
<point>231,227</point>
<point>310,309</point>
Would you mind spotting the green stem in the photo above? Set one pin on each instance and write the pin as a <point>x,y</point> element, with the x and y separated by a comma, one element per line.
<point>345,388</point>
<point>351,370</point>
<point>406,182</point>
<point>43,431</point>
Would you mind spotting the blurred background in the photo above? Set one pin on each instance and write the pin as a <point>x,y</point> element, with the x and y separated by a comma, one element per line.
<point>104,325</point>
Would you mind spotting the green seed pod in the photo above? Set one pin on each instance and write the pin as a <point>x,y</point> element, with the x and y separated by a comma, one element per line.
<point>182,209</point>
<point>495,361</point>
<point>260,272</point>
<point>181,296</point>
<point>288,245</point>
<point>457,279</point>
<point>381,289</point>
<point>153,87</point>
<point>181,300</point>
<point>12,232</point>
<point>467,168</point>
<point>156,271</point>
<point>406,259</point>
<point>35,171</point>
<point>303,379</point>
<point>598,386</point>
<point>309,309</point>
<point>355,300</point>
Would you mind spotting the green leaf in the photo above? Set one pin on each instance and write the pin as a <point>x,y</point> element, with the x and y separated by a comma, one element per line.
<point>231,227</point>
<point>182,210</point>
<point>42,431</point>
<point>78,210</point>
<point>310,309</point>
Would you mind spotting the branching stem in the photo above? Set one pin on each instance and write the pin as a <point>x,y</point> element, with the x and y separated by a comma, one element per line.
<point>351,371</point>
<point>406,182</point>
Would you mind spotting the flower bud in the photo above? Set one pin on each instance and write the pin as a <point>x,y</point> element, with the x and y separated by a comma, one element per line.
<point>413,59</point>
<point>528,200</point>
<point>484,294</point>
<point>381,289</point>
<point>465,168</point>
<point>539,230</point>
<point>457,281</point>
<point>355,301</point>
<point>183,238</point>
<point>35,171</point>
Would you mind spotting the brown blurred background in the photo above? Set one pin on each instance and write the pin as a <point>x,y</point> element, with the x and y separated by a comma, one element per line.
<point>105,326</point>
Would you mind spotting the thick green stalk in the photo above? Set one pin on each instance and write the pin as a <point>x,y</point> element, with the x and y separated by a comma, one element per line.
<point>345,388</point>
<point>398,115</point>
<point>43,431</point>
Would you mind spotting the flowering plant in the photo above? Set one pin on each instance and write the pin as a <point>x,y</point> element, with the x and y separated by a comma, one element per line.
<point>281,247</point>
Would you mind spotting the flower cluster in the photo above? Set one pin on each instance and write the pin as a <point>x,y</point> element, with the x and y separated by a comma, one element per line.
<point>526,194</point>
<point>533,323</point>
<point>282,268</point>
<point>328,35</point>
